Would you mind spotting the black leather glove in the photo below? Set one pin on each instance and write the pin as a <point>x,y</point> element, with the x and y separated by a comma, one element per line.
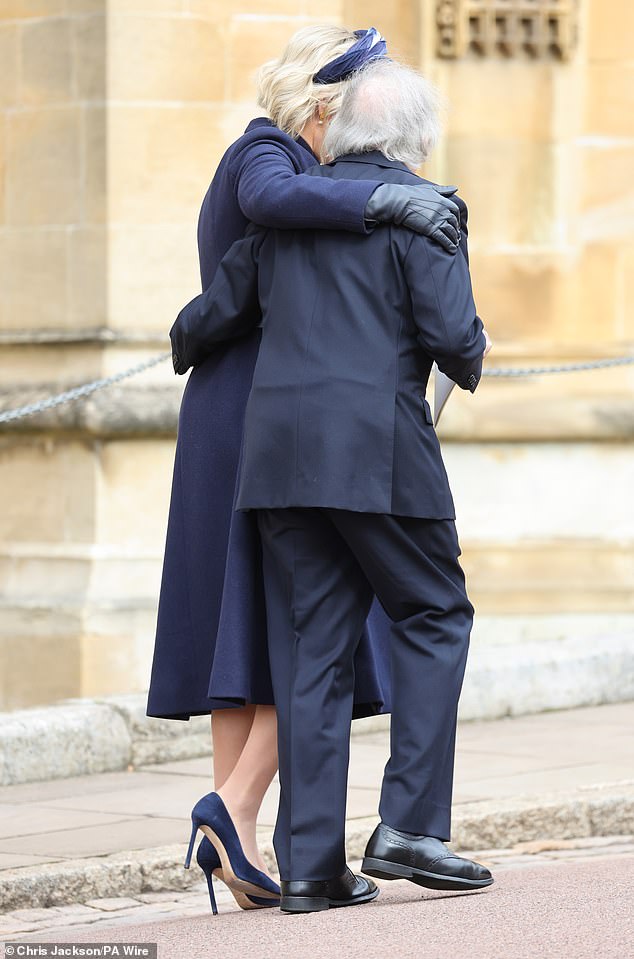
<point>188,346</point>
<point>423,208</point>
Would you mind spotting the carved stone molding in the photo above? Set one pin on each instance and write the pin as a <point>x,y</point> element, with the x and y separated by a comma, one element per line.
<point>536,28</point>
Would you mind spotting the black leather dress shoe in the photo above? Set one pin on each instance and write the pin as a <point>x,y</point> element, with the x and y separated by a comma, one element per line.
<point>312,896</point>
<point>391,854</point>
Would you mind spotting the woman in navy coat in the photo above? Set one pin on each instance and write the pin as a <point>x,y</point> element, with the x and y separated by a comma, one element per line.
<point>211,646</point>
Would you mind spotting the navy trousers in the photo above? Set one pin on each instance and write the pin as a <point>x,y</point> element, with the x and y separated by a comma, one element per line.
<point>323,566</point>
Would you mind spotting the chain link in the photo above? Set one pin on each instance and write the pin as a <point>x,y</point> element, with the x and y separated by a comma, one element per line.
<point>79,392</point>
<point>563,368</point>
<point>87,389</point>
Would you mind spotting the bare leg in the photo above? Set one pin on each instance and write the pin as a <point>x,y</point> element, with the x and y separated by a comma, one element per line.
<point>230,730</point>
<point>243,790</point>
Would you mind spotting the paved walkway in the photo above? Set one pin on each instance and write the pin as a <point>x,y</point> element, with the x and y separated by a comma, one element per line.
<point>568,900</point>
<point>496,760</point>
<point>96,815</point>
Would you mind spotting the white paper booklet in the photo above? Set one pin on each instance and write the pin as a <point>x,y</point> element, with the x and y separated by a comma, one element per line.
<point>442,391</point>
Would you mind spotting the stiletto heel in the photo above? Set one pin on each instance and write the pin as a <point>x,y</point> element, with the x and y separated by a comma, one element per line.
<point>250,886</point>
<point>210,885</point>
<point>209,861</point>
<point>188,857</point>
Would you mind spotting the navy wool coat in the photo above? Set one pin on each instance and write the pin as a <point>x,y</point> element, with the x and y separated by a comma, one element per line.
<point>211,645</point>
<point>337,415</point>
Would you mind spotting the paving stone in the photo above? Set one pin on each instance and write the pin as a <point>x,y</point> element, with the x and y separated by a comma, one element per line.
<point>74,909</point>
<point>201,767</point>
<point>159,796</point>
<point>586,853</point>
<point>18,820</point>
<point>99,840</point>
<point>67,921</point>
<point>112,905</point>
<point>11,928</point>
<point>150,897</point>
<point>30,915</point>
<point>11,860</point>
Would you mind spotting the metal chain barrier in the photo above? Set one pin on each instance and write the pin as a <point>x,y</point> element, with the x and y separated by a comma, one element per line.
<point>564,368</point>
<point>79,392</point>
<point>87,389</point>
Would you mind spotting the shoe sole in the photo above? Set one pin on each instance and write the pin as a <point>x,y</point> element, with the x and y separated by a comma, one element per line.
<point>319,904</point>
<point>230,879</point>
<point>384,869</point>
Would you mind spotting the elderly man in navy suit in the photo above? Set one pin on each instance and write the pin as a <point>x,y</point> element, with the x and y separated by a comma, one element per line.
<point>342,463</point>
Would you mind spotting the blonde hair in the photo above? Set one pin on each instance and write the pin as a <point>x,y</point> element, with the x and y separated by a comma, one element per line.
<point>285,86</point>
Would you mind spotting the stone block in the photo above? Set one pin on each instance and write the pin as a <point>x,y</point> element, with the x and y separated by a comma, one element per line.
<point>157,741</point>
<point>87,6</point>
<point>43,167</point>
<point>116,656</point>
<point>46,74</point>
<point>32,9</point>
<point>609,30</point>
<point>337,11</point>
<point>9,61</point>
<point>80,739</point>
<point>89,48</point>
<point>607,177</point>
<point>34,273</point>
<point>113,904</point>
<point>162,868</point>
<point>164,58</point>
<point>95,157</point>
<point>88,278</point>
<point>547,298</point>
<point>586,304</point>
<point>611,814</point>
<point>625,278</point>
<point>50,673</point>
<point>148,412</point>
<point>215,8</point>
<point>3,154</point>
<point>398,21</point>
<point>37,361</point>
<point>126,483</point>
<point>505,679</point>
<point>609,105</point>
<point>509,186</point>
<point>252,42</point>
<point>153,271</point>
<point>51,488</point>
<point>519,95</point>
<point>507,822</point>
<point>544,408</point>
<point>70,882</point>
<point>160,162</point>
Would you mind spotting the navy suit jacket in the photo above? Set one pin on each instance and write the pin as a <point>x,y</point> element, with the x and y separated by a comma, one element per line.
<point>337,415</point>
<point>257,181</point>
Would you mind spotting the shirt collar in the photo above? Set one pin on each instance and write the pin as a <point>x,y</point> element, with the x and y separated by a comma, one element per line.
<point>374,158</point>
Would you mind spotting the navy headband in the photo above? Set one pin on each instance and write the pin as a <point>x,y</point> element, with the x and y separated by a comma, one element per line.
<point>369,46</point>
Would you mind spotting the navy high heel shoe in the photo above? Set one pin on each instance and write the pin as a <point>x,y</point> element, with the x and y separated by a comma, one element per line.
<point>211,817</point>
<point>209,861</point>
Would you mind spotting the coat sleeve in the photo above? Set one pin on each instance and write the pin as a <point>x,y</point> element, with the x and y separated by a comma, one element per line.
<point>227,309</point>
<point>273,194</point>
<point>450,331</point>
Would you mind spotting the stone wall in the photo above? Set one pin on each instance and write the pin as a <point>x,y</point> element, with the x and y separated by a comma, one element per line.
<point>113,115</point>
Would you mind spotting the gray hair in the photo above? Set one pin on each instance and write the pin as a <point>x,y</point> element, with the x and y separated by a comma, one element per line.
<point>388,107</point>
